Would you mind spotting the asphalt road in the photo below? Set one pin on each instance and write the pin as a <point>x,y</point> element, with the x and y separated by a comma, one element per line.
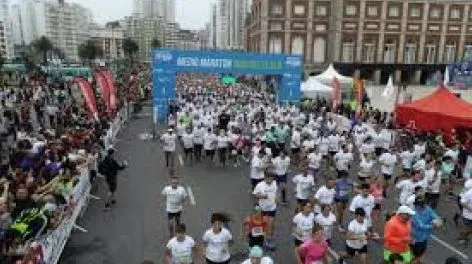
<point>137,228</point>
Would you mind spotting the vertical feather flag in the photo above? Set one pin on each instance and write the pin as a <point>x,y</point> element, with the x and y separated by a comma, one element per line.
<point>112,89</point>
<point>102,82</point>
<point>336,96</point>
<point>88,94</point>
<point>359,92</point>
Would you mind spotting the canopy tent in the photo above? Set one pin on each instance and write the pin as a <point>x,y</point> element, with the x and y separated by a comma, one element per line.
<point>440,110</point>
<point>329,74</point>
<point>313,88</point>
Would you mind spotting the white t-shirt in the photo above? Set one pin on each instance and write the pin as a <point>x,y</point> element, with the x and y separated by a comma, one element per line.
<point>365,168</point>
<point>420,165</point>
<point>281,165</point>
<point>366,203</point>
<point>407,188</point>
<point>169,141</point>
<point>188,140</point>
<point>174,198</point>
<point>323,146</point>
<point>217,249</point>
<point>407,159</point>
<point>269,203</point>
<point>385,139</point>
<point>264,260</point>
<point>387,163</point>
<point>333,143</point>
<point>314,160</point>
<point>342,160</point>
<point>359,229</point>
<point>308,144</point>
<point>367,148</point>
<point>295,140</point>
<point>466,200</point>
<point>433,180</point>
<point>181,251</point>
<point>198,136</point>
<point>303,226</point>
<point>419,149</point>
<point>325,195</point>
<point>209,141</point>
<point>327,222</point>
<point>257,168</point>
<point>303,185</point>
<point>223,141</point>
<point>454,154</point>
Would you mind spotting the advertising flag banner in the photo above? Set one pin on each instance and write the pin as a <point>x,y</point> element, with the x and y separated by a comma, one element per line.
<point>103,83</point>
<point>112,90</point>
<point>336,96</point>
<point>88,94</point>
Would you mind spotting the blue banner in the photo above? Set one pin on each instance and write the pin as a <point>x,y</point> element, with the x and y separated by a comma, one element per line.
<point>166,63</point>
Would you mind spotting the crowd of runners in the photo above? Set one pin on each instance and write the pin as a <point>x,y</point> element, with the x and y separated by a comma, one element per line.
<point>355,177</point>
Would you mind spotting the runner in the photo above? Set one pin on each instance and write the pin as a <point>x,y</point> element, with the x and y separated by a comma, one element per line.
<point>257,227</point>
<point>175,195</point>
<point>304,184</point>
<point>303,224</point>
<point>188,141</point>
<point>182,248</point>
<point>356,238</point>
<point>326,219</point>
<point>314,250</point>
<point>265,193</point>
<point>398,234</point>
<point>424,222</point>
<point>281,165</point>
<point>256,256</point>
<point>217,241</point>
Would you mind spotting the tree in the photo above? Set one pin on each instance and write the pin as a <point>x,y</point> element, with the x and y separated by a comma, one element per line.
<point>43,46</point>
<point>155,44</point>
<point>88,51</point>
<point>130,47</point>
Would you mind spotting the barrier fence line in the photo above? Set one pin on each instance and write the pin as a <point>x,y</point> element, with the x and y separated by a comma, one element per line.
<point>53,244</point>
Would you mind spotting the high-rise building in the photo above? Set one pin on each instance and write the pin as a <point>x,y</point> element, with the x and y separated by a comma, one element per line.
<point>67,26</point>
<point>411,39</point>
<point>155,8</point>
<point>143,30</point>
<point>6,36</point>
<point>231,16</point>
<point>172,35</point>
<point>109,39</point>
<point>28,21</point>
<point>213,28</point>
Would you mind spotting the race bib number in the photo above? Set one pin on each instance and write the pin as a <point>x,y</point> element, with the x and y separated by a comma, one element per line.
<point>257,231</point>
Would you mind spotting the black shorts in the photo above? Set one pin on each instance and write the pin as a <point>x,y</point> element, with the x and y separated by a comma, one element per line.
<point>387,177</point>
<point>256,241</point>
<point>467,222</point>
<point>332,153</point>
<point>342,173</point>
<point>112,184</point>
<point>212,262</point>
<point>419,248</point>
<point>210,152</point>
<point>188,150</point>
<point>353,251</point>
<point>341,200</point>
<point>174,216</point>
<point>378,151</point>
<point>377,206</point>
<point>295,150</point>
<point>269,213</point>
<point>281,178</point>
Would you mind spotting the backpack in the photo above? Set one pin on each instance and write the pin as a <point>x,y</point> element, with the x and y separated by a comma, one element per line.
<point>103,167</point>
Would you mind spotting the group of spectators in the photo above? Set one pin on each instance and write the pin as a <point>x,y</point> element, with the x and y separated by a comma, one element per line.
<point>48,141</point>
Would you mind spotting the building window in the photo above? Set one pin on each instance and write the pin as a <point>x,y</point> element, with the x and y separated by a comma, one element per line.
<point>348,51</point>
<point>319,50</point>
<point>369,53</point>
<point>467,52</point>
<point>430,52</point>
<point>275,45</point>
<point>351,10</point>
<point>372,11</point>
<point>275,25</point>
<point>390,52</point>
<point>299,10</point>
<point>298,45</point>
<point>449,53</point>
<point>321,10</point>
<point>277,10</point>
<point>455,13</point>
<point>415,12</point>
<point>435,13</point>
<point>393,11</point>
<point>410,53</point>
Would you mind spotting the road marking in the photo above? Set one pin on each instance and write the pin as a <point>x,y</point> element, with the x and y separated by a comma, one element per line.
<point>191,196</point>
<point>181,160</point>
<point>451,248</point>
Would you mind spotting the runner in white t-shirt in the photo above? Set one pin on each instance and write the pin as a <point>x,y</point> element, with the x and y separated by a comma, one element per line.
<point>303,224</point>
<point>169,141</point>
<point>281,164</point>
<point>175,195</point>
<point>217,241</point>
<point>182,248</point>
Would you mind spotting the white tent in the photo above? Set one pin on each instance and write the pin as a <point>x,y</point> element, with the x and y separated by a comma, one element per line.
<point>389,89</point>
<point>313,88</point>
<point>329,74</point>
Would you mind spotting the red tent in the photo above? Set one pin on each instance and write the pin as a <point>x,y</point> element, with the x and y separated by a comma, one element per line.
<point>440,110</point>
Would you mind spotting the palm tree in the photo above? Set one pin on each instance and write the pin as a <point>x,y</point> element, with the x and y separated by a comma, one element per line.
<point>130,47</point>
<point>88,51</point>
<point>43,46</point>
<point>155,43</point>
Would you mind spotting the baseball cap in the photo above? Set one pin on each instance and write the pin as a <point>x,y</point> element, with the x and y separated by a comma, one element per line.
<point>256,252</point>
<point>405,210</point>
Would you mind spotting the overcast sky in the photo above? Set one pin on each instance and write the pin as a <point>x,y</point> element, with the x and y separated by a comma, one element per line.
<point>191,14</point>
